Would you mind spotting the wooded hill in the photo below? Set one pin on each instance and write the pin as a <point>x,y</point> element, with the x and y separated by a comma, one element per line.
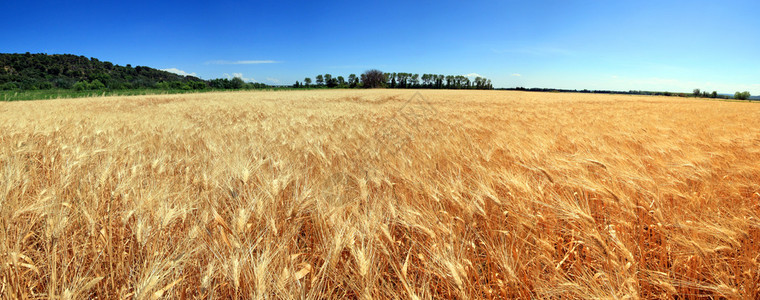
<point>66,71</point>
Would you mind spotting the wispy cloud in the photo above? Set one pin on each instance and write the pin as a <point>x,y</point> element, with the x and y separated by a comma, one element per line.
<point>241,62</point>
<point>273,80</point>
<point>516,75</point>
<point>239,75</point>
<point>473,75</point>
<point>179,72</point>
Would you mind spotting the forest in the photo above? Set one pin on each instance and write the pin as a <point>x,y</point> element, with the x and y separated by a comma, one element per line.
<point>67,71</point>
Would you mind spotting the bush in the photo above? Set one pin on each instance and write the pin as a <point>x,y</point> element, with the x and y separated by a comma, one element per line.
<point>96,85</point>
<point>80,86</point>
<point>45,85</point>
<point>197,85</point>
<point>62,83</point>
<point>9,86</point>
<point>162,85</point>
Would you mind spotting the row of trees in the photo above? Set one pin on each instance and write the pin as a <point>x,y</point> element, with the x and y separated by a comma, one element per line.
<point>586,91</point>
<point>695,93</point>
<point>66,71</point>
<point>85,85</point>
<point>704,94</point>
<point>376,78</point>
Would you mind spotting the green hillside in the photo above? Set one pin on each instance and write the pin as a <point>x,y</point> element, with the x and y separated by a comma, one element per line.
<point>66,71</point>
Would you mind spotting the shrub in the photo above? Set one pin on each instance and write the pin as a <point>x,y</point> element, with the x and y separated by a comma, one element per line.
<point>9,86</point>
<point>96,85</point>
<point>80,86</point>
<point>162,85</point>
<point>45,85</point>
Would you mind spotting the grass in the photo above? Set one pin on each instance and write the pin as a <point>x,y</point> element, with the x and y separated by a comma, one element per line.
<point>24,95</point>
<point>364,194</point>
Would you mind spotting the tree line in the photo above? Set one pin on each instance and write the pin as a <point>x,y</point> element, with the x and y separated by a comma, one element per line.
<point>704,94</point>
<point>378,79</point>
<point>67,71</point>
<point>695,93</point>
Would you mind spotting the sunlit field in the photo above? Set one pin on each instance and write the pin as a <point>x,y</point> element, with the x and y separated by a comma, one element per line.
<point>377,194</point>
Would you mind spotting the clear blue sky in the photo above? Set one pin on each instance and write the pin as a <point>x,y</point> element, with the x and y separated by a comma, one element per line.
<point>619,45</point>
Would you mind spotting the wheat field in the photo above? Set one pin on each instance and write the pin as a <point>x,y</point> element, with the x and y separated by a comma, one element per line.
<point>379,194</point>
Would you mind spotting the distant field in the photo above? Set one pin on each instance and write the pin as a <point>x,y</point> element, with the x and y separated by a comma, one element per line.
<point>379,194</point>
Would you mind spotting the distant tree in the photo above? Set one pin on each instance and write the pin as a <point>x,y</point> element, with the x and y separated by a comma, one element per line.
<point>353,80</point>
<point>742,95</point>
<point>341,81</point>
<point>320,80</point>
<point>237,83</point>
<point>330,81</point>
<point>714,94</point>
<point>307,81</point>
<point>328,78</point>
<point>696,93</point>
<point>373,79</point>
<point>296,85</point>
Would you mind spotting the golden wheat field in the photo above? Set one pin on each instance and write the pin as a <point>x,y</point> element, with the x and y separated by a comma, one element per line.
<point>379,194</point>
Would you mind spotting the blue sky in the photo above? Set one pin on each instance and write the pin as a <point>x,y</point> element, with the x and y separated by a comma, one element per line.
<point>618,45</point>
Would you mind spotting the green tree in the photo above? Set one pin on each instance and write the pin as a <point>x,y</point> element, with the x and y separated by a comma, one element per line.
<point>307,81</point>
<point>330,81</point>
<point>320,80</point>
<point>237,83</point>
<point>696,93</point>
<point>742,95</point>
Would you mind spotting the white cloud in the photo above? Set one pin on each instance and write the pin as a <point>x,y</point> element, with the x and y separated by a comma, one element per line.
<point>239,75</point>
<point>240,62</point>
<point>516,75</point>
<point>473,75</point>
<point>273,80</point>
<point>179,72</point>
